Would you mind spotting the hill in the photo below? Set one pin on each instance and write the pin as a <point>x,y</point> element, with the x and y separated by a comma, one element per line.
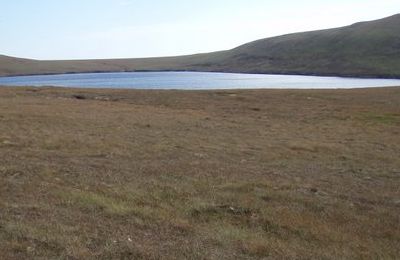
<point>365,49</point>
<point>362,49</point>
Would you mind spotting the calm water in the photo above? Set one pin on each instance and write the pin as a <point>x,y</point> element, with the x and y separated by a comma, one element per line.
<point>193,80</point>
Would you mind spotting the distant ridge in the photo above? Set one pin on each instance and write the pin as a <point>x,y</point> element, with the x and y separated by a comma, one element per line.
<point>365,49</point>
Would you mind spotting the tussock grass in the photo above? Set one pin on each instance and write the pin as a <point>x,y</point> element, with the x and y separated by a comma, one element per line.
<point>198,175</point>
<point>390,119</point>
<point>95,201</point>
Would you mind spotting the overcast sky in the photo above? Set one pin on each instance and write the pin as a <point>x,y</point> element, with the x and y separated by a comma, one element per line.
<point>74,29</point>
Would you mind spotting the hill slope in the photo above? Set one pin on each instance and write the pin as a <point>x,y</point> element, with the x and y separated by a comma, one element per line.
<point>366,49</point>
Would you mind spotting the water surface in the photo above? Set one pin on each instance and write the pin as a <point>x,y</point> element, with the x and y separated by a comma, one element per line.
<point>194,80</point>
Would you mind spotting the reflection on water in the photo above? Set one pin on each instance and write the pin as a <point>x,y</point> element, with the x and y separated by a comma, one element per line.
<point>193,80</point>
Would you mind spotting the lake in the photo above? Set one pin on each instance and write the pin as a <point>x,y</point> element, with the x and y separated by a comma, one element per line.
<point>194,80</point>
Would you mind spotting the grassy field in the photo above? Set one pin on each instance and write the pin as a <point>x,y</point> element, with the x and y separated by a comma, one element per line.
<point>255,174</point>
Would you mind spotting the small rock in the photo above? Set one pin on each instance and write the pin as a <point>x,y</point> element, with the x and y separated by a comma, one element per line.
<point>314,190</point>
<point>102,98</point>
<point>200,155</point>
<point>235,210</point>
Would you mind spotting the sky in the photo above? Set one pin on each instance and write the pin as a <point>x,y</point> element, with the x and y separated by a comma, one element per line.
<point>91,29</point>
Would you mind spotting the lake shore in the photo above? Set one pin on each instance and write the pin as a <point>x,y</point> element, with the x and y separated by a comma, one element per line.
<point>227,174</point>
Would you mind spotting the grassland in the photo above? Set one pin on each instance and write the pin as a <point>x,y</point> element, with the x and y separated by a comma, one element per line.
<point>255,174</point>
<point>366,49</point>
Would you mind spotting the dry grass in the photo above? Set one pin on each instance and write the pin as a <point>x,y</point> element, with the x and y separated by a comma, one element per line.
<point>257,174</point>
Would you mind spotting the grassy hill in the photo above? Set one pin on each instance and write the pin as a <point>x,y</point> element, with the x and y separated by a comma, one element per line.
<point>366,49</point>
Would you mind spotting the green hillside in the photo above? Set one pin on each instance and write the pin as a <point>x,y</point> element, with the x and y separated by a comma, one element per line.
<point>366,49</point>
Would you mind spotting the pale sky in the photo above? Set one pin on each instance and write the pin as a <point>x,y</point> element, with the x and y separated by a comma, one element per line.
<point>81,29</point>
